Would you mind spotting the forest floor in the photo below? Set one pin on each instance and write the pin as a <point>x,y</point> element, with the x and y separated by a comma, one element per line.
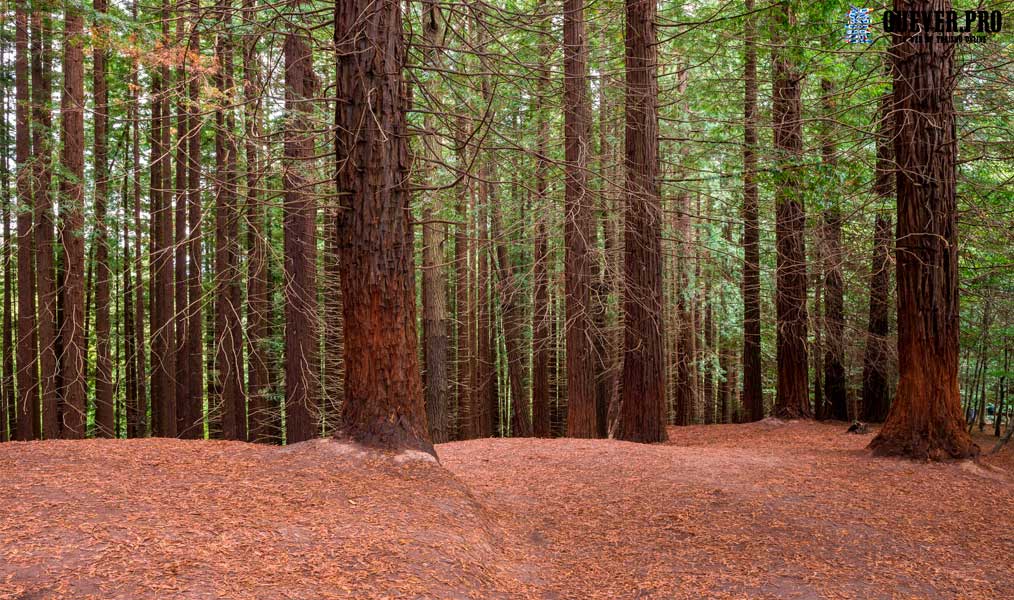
<point>767,510</point>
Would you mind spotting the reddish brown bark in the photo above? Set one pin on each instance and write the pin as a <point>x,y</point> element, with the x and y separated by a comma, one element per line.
<point>642,409</point>
<point>258,295</point>
<point>541,327</point>
<point>141,426</point>
<point>793,396</point>
<point>464,390</point>
<point>686,340</point>
<point>434,296</point>
<point>72,224</point>
<point>228,323</point>
<point>876,399</point>
<point>834,282</point>
<point>7,404</point>
<point>582,416</point>
<point>926,421</point>
<point>45,267</point>
<point>104,408</point>
<point>383,388</point>
<point>193,413</point>
<point>301,335</point>
<point>27,374</point>
<point>753,399</point>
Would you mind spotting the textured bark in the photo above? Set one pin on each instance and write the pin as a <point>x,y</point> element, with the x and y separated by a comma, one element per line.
<point>435,321</point>
<point>926,421</point>
<point>483,415</point>
<point>686,339</point>
<point>793,397</point>
<point>582,417</point>
<point>44,263</point>
<point>105,425</point>
<point>186,421</point>
<point>383,388</point>
<point>753,398</point>
<point>707,362</point>
<point>7,404</point>
<point>72,225</point>
<point>463,389</point>
<point>541,326</point>
<point>161,259</point>
<point>642,408</point>
<point>140,427</point>
<point>27,375</point>
<point>302,387</point>
<point>195,291</point>
<point>834,282</point>
<point>258,295</point>
<point>876,399</point>
<point>228,323</point>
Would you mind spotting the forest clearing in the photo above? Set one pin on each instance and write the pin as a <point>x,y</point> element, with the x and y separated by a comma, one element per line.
<point>510,299</point>
<point>767,510</point>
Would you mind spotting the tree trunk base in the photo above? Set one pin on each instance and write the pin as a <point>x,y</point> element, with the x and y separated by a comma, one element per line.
<point>949,444</point>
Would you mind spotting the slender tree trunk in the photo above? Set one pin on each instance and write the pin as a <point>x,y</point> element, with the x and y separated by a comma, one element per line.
<point>925,420</point>
<point>834,282</point>
<point>793,398</point>
<point>301,335</point>
<point>140,350</point>
<point>435,322</point>
<point>383,388</point>
<point>464,391</point>
<point>876,395</point>
<point>228,323</point>
<point>27,375</point>
<point>484,417</point>
<point>578,230</point>
<point>72,224</point>
<point>105,425</point>
<point>195,218</point>
<point>185,415</point>
<point>258,294</point>
<point>513,319</point>
<point>7,405</point>
<point>753,398</point>
<point>642,409</point>
<point>686,341</point>
<point>542,341</point>
<point>44,263</point>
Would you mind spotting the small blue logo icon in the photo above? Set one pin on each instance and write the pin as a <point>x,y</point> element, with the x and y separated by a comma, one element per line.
<point>857,29</point>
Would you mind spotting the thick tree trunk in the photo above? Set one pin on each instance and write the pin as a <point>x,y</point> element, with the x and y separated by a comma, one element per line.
<point>302,388</point>
<point>435,321</point>
<point>753,398</point>
<point>383,388</point>
<point>578,231</point>
<point>642,408</point>
<point>926,421</point>
<point>27,377</point>
<point>72,361</point>
<point>793,397</point>
<point>104,408</point>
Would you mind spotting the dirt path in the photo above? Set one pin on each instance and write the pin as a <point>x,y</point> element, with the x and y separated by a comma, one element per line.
<point>761,511</point>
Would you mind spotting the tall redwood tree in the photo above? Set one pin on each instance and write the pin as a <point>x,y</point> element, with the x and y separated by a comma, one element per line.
<point>642,409</point>
<point>383,387</point>
<point>926,420</point>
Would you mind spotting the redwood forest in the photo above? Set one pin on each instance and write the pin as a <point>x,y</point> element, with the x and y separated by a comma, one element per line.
<point>506,299</point>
